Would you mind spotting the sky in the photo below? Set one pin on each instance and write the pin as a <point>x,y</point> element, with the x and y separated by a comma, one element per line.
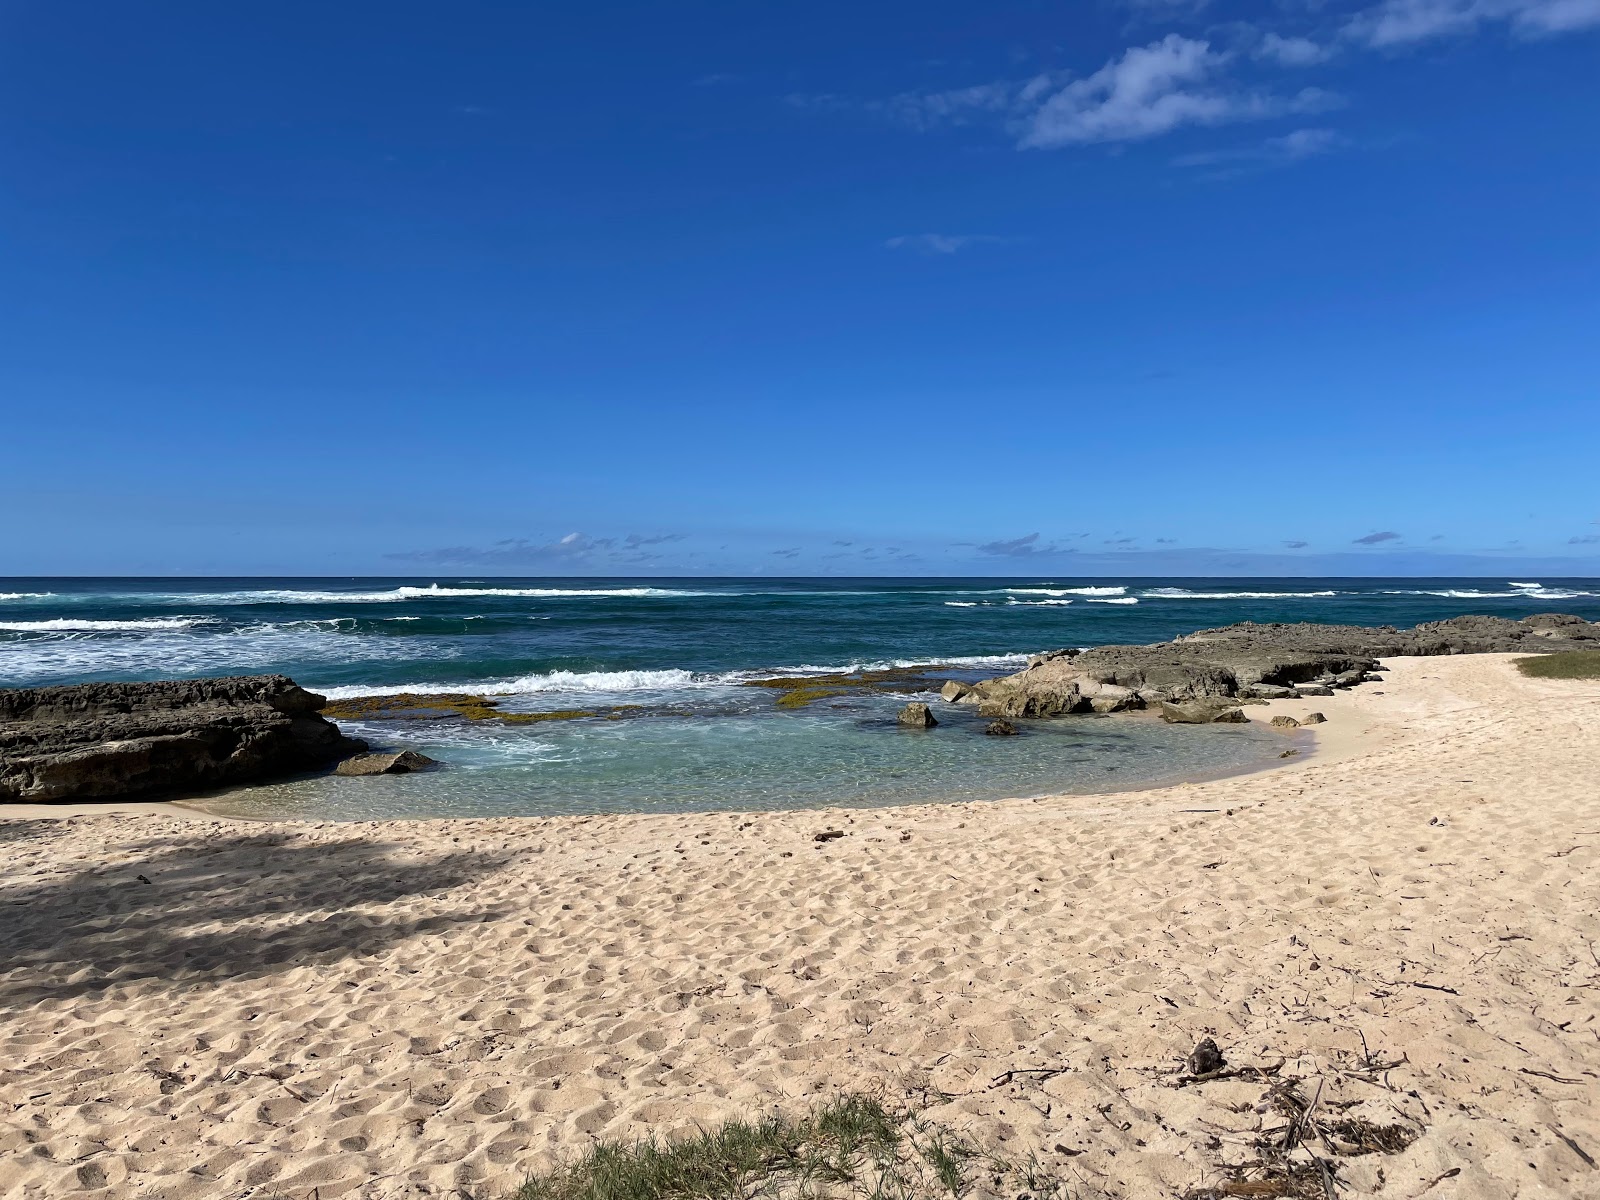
<point>470,288</point>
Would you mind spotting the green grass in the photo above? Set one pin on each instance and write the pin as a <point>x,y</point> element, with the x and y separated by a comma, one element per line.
<point>850,1146</point>
<point>1567,664</point>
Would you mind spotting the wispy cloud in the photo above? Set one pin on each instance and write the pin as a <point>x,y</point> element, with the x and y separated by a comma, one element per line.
<point>1584,539</point>
<point>1292,51</point>
<point>1152,90</point>
<point>1297,545</point>
<point>940,243</point>
<point>1179,82</point>
<point>1395,23</point>
<point>1373,539</point>
<point>1273,152</point>
<point>574,547</point>
<point>1142,93</point>
<point>1028,546</point>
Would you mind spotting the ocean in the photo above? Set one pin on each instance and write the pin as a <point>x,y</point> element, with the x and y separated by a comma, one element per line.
<point>666,665</point>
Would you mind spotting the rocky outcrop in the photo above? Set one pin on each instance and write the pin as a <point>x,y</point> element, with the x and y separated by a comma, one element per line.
<point>917,715</point>
<point>95,741</point>
<point>1251,661</point>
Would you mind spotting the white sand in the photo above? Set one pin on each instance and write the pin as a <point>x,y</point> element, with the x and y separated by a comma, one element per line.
<point>432,1008</point>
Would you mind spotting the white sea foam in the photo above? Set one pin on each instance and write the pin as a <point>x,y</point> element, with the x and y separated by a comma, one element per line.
<point>71,656</point>
<point>75,625</point>
<point>1114,600</point>
<point>553,681</point>
<point>26,595</point>
<point>1523,592</point>
<point>961,604</point>
<point>396,595</point>
<point>667,680</point>
<point>1038,603</point>
<point>1077,591</point>
<point>1185,594</point>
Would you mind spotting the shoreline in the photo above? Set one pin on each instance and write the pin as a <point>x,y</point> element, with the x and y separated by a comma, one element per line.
<point>396,1009</point>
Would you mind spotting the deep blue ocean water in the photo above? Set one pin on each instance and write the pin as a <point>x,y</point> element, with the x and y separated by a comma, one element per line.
<point>687,645</point>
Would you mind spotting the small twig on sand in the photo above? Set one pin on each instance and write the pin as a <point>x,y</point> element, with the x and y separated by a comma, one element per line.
<point>1043,1073</point>
<point>1438,1179</point>
<point>1547,1075</point>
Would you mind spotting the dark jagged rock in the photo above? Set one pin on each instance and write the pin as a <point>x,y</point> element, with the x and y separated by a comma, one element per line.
<point>1001,729</point>
<point>916,715</point>
<point>95,741</point>
<point>1251,661</point>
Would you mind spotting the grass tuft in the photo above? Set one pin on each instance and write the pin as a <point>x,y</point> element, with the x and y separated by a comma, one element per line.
<point>1565,664</point>
<point>851,1146</point>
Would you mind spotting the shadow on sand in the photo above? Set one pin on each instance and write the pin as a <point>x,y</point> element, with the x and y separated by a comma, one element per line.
<point>197,911</point>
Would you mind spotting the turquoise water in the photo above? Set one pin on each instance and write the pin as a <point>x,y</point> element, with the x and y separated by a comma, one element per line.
<point>682,649</point>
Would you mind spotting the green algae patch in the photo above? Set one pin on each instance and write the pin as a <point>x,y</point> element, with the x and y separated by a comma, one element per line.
<point>408,706</point>
<point>798,691</point>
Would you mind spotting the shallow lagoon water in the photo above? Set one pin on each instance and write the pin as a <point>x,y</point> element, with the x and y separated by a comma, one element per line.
<point>687,645</point>
<point>848,753</point>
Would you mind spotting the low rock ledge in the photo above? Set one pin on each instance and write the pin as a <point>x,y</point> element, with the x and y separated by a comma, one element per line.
<point>102,741</point>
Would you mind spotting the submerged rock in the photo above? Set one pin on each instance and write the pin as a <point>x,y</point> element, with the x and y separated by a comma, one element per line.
<point>917,715</point>
<point>95,741</point>
<point>1001,729</point>
<point>1203,712</point>
<point>401,763</point>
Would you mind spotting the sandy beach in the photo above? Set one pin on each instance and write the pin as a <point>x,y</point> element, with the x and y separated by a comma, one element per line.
<point>1404,922</point>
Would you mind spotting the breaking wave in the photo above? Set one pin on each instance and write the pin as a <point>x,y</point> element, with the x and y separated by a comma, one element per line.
<point>74,625</point>
<point>668,680</point>
<point>1186,594</point>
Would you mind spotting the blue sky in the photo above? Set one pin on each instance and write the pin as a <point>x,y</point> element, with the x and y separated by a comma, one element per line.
<point>489,288</point>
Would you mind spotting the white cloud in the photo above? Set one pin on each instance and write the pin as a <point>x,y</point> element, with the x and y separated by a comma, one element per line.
<point>1405,22</point>
<point>1152,90</point>
<point>939,243</point>
<point>1273,152</point>
<point>928,110</point>
<point>1292,51</point>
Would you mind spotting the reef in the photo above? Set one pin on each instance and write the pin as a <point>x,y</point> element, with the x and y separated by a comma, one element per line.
<point>1248,661</point>
<point>798,691</point>
<point>410,706</point>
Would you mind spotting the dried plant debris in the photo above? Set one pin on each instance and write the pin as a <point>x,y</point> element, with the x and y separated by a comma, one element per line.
<point>1308,1125</point>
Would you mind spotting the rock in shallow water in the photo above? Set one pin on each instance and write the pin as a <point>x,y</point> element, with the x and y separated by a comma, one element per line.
<point>95,741</point>
<point>917,715</point>
<point>1203,712</point>
<point>401,763</point>
<point>1001,729</point>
